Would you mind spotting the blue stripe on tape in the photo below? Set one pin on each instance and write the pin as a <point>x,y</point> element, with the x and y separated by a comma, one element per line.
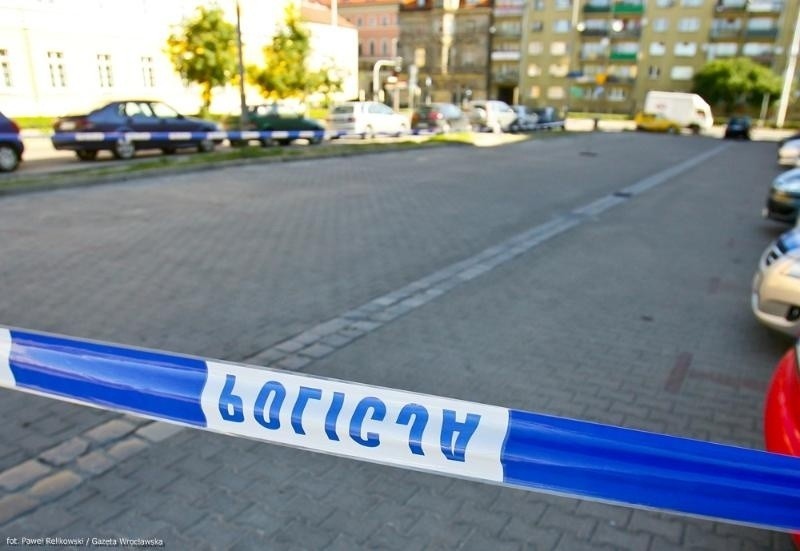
<point>652,470</point>
<point>70,137</point>
<point>138,381</point>
<point>433,434</point>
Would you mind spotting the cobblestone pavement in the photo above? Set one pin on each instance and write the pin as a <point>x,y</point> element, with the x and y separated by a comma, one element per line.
<point>635,313</point>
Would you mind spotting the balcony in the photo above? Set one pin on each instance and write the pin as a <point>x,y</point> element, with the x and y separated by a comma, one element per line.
<point>761,33</point>
<point>628,8</point>
<point>597,31</point>
<point>503,77</point>
<point>508,33</point>
<point>724,33</point>
<point>597,7</point>
<point>768,7</point>
<point>731,6</point>
<point>623,56</point>
<point>506,56</point>
<point>632,32</point>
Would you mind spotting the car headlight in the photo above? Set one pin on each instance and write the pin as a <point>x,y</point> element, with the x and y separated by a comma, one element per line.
<point>792,269</point>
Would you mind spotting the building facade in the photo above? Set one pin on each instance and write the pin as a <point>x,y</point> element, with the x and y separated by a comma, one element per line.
<point>377,22</point>
<point>448,44</point>
<point>605,55</point>
<point>61,56</point>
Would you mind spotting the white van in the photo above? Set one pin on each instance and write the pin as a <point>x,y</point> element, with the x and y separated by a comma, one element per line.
<point>366,119</point>
<point>688,110</point>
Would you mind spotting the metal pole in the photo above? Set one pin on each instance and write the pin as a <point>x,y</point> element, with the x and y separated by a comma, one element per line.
<point>490,45</point>
<point>242,100</point>
<point>788,77</point>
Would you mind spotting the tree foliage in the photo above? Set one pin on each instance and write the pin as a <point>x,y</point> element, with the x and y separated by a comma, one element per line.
<point>285,73</point>
<point>203,51</point>
<point>737,81</point>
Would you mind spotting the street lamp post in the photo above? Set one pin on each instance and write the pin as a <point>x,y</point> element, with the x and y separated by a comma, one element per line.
<point>242,100</point>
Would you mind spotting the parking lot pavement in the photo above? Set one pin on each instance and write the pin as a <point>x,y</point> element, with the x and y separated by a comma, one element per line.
<point>637,316</point>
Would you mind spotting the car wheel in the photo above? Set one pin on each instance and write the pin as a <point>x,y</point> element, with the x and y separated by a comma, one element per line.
<point>123,150</point>
<point>9,160</point>
<point>86,155</point>
<point>446,129</point>
<point>672,130</point>
<point>368,133</point>
<point>316,140</point>
<point>169,151</point>
<point>206,146</point>
<point>403,130</point>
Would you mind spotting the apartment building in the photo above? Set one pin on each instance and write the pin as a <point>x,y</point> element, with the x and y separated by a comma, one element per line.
<point>448,41</point>
<point>588,55</point>
<point>605,55</point>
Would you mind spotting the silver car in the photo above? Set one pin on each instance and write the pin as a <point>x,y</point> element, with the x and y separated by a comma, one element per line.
<point>491,115</point>
<point>775,298</point>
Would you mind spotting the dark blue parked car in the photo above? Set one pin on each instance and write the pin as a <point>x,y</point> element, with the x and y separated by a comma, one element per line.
<point>156,124</point>
<point>11,146</point>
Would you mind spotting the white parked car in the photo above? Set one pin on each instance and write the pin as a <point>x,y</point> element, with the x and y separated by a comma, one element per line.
<point>789,153</point>
<point>775,297</point>
<point>491,115</point>
<point>366,119</point>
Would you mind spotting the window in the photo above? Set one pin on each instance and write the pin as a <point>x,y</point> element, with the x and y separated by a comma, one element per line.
<point>104,70</point>
<point>535,48</point>
<point>537,26</point>
<point>58,75</point>
<point>148,74</point>
<point>685,49</point>
<point>657,48</point>
<point>162,110</point>
<point>559,70</point>
<point>558,48</point>
<point>688,24</point>
<point>561,26</point>
<point>359,22</point>
<point>5,70</point>
<point>617,94</point>
<point>384,21</point>
<point>660,25</point>
<point>371,47</point>
<point>653,72</point>
<point>419,57</point>
<point>681,72</point>
<point>723,49</point>
<point>757,49</point>
<point>371,21</point>
<point>384,47</point>
<point>536,92</point>
<point>537,5</point>
<point>691,3</point>
<point>665,3</point>
<point>534,70</point>
<point>563,5</point>
<point>555,92</point>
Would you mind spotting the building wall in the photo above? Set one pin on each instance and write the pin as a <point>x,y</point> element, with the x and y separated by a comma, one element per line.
<point>615,54</point>
<point>377,22</point>
<point>40,40</point>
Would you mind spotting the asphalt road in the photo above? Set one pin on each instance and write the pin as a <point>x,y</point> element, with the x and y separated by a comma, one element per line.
<point>635,314</point>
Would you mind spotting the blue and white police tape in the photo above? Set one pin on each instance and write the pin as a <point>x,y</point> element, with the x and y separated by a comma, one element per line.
<point>414,431</point>
<point>233,135</point>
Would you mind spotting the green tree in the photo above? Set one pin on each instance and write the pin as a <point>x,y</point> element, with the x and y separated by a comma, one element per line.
<point>203,51</point>
<point>285,73</point>
<point>735,82</point>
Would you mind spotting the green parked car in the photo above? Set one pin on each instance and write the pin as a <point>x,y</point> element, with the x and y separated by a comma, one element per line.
<point>286,124</point>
